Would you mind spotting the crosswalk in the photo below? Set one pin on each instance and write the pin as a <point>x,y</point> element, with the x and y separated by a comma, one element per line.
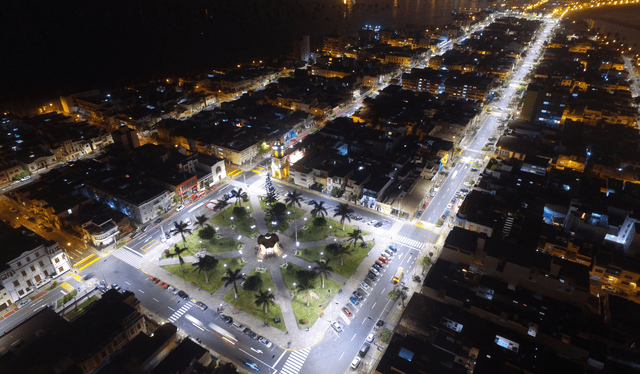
<point>130,257</point>
<point>408,242</point>
<point>178,313</point>
<point>295,361</point>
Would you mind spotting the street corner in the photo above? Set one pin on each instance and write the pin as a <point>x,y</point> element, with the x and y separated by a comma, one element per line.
<point>67,286</point>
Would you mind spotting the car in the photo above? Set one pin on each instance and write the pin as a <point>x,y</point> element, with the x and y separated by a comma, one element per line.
<point>393,248</point>
<point>379,224</point>
<point>14,210</point>
<point>226,319</point>
<point>358,295</point>
<point>183,295</point>
<point>354,300</point>
<point>364,286</point>
<point>25,178</point>
<point>380,263</point>
<point>449,206</point>
<point>253,335</point>
<point>370,337</point>
<point>158,221</point>
<point>467,184</point>
<point>153,279</point>
<point>162,284</point>
<point>359,218</point>
<point>233,192</point>
<point>372,276</point>
<point>383,259</point>
<point>266,342</point>
<point>346,311</point>
<point>364,349</point>
<point>493,138</point>
<point>336,326</point>
<point>488,144</point>
<point>387,254</point>
<point>350,214</point>
<point>23,302</point>
<point>175,291</point>
<point>238,326</point>
<point>43,282</point>
<point>372,222</point>
<point>464,190</point>
<point>252,365</point>
<point>474,169</point>
<point>201,305</point>
<point>377,267</point>
<point>311,202</point>
<point>166,237</point>
<point>380,323</point>
<point>226,196</point>
<point>374,270</point>
<point>355,363</point>
<point>180,207</point>
<point>115,286</point>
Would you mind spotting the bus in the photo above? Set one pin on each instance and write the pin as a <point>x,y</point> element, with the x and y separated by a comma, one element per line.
<point>223,334</point>
<point>398,276</point>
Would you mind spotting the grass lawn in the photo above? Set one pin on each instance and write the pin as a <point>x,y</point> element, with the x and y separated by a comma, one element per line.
<point>196,278</point>
<point>242,226</point>
<point>312,233</point>
<point>351,261</point>
<point>195,244</point>
<point>77,311</point>
<point>246,301</point>
<point>316,306</point>
<point>66,298</point>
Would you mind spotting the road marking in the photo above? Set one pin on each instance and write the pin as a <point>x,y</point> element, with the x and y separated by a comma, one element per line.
<point>364,319</point>
<point>83,260</point>
<point>374,304</point>
<point>127,283</point>
<point>279,358</point>
<point>341,356</point>
<point>157,301</point>
<point>408,242</point>
<point>174,317</point>
<point>382,293</point>
<point>129,257</point>
<point>146,246</point>
<point>354,336</point>
<point>91,262</point>
<point>295,361</point>
<point>171,308</point>
<point>140,290</point>
<point>67,286</point>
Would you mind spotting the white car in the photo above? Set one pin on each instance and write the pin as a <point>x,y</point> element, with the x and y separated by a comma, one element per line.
<point>43,282</point>
<point>336,326</point>
<point>370,337</point>
<point>372,222</point>
<point>467,184</point>
<point>374,271</point>
<point>23,302</point>
<point>180,207</point>
<point>188,222</point>
<point>355,363</point>
<point>364,286</point>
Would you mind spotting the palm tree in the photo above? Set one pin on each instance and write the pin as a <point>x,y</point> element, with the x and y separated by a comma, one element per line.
<point>344,211</point>
<point>323,268</point>
<point>305,286</point>
<point>293,198</point>
<point>205,263</point>
<point>231,278</point>
<point>220,205</point>
<point>318,209</point>
<point>177,251</point>
<point>264,298</point>
<point>339,250</point>
<point>240,195</point>
<point>181,228</point>
<point>201,221</point>
<point>354,236</point>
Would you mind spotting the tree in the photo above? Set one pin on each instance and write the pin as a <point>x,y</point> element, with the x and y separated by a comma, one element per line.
<point>182,228</point>
<point>207,233</point>
<point>344,211</point>
<point>264,298</point>
<point>323,268</point>
<point>338,251</point>
<point>220,205</point>
<point>293,198</point>
<point>425,262</point>
<point>253,283</point>
<point>271,196</point>
<point>318,209</point>
<point>241,195</point>
<point>231,278</point>
<point>354,236</point>
<point>201,221</point>
<point>177,251</point>
<point>205,263</point>
<point>239,212</point>
<point>399,291</point>
<point>305,287</point>
<point>277,212</point>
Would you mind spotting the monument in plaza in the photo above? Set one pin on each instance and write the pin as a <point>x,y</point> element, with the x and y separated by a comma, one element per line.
<point>269,246</point>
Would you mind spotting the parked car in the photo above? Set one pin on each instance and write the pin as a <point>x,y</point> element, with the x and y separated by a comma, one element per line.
<point>383,259</point>
<point>346,311</point>
<point>358,295</point>
<point>377,266</point>
<point>266,342</point>
<point>23,302</point>
<point>474,169</point>
<point>372,222</point>
<point>336,326</point>
<point>14,210</point>
<point>180,207</point>
<point>393,248</point>
<point>153,279</point>
<point>226,319</point>
<point>364,286</point>
<point>379,224</point>
<point>464,190</point>
<point>379,324</point>
<point>115,287</point>
<point>354,300</point>
<point>387,254</point>
<point>253,335</point>
<point>238,326</point>
<point>372,276</point>
<point>370,337</point>
<point>355,363</point>
<point>359,218</point>
<point>311,202</point>
<point>381,264</point>
<point>374,271</point>
<point>183,295</point>
<point>43,282</point>
<point>158,221</point>
<point>201,305</point>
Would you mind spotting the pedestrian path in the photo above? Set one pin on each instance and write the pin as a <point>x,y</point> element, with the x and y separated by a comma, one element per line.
<point>129,257</point>
<point>408,242</point>
<point>295,361</point>
<point>178,313</point>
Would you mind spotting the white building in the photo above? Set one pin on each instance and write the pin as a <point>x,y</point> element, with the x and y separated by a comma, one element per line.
<point>27,260</point>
